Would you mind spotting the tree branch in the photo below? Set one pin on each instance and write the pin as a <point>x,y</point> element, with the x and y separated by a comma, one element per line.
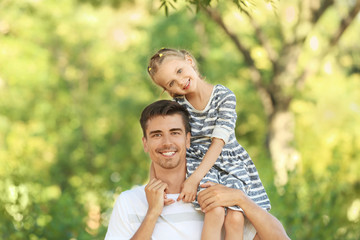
<point>262,39</point>
<point>344,24</point>
<point>215,16</point>
<point>254,72</point>
<point>317,13</point>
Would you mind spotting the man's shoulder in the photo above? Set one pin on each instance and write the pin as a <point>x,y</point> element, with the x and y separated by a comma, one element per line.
<point>136,193</point>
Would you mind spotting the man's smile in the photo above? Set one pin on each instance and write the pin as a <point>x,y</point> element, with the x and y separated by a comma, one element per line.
<point>168,154</point>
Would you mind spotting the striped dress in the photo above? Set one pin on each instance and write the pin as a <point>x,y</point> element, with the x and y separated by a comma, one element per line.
<point>234,167</point>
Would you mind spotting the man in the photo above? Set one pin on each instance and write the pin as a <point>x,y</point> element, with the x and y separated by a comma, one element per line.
<point>152,212</point>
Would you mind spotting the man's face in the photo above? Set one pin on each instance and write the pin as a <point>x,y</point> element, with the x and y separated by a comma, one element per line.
<point>166,141</point>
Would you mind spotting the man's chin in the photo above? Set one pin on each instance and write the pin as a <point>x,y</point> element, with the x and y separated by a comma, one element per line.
<point>169,165</point>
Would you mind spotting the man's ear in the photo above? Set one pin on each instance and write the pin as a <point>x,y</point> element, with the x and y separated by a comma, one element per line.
<point>188,136</point>
<point>145,144</point>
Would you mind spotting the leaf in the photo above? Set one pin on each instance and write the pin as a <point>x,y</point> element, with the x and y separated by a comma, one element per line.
<point>172,5</point>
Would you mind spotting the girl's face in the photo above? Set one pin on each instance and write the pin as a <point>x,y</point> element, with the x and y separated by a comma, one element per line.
<point>177,76</point>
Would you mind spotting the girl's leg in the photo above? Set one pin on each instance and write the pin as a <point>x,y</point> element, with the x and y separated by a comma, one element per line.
<point>234,225</point>
<point>213,222</point>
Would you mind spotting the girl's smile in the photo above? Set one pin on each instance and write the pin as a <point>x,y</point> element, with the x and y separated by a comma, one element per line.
<point>187,85</point>
<point>177,76</point>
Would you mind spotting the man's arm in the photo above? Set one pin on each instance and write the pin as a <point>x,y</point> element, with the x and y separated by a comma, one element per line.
<point>155,191</point>
<point>266,225</point>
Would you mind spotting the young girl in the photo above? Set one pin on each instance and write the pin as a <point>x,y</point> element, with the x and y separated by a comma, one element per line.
<point>214,154</point>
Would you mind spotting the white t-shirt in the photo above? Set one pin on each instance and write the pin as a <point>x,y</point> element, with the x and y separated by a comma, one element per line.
<point>178,221</point>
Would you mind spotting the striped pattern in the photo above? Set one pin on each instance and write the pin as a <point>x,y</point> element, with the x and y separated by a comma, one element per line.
<point>234,167</point>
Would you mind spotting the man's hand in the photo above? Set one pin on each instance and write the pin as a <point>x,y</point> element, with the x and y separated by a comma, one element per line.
<point>217,195</point>
<point>155,195</point>
<point>168,201</point>
<point>156,198</point>
<point>188,190</point>
<point>266,225</point>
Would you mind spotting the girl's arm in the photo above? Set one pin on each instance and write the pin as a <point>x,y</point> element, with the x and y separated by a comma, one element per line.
<point>209,159</point>
<point>189,189</point>
<point>224,125</point>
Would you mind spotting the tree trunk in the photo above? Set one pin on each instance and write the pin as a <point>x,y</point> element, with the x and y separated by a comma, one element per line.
<point>286,80</point>
<point>283,154</point>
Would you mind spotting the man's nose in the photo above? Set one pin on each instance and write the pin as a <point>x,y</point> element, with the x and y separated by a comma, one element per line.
<point>166,140</point>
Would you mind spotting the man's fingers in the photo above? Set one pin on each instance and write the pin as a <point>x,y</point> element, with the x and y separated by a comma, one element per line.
<point>205,202</point>
<point>153,183</point>
<point>156,185</point>
<point>150,183</point>
<point>208,204</point>
<point>207,184</point>
<point>209,207</point>
<point>168,201</point>
<point>204,194</point>
<point>161,187</point>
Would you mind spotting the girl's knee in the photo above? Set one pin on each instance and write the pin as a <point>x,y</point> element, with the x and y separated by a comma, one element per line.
<point>218,212</point>
<point>234,218</point>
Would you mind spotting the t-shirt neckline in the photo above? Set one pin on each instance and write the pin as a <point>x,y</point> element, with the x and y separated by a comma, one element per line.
<point>207,105</point>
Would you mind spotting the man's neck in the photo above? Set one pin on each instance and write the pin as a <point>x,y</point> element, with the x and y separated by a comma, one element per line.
<point>173,178</point>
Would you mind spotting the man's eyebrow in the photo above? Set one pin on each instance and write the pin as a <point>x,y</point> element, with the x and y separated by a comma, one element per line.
<point>171,130</point>
<point>155,131</point>
<point>176,129</point>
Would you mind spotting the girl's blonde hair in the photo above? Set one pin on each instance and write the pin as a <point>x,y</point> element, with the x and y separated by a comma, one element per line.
<point>158,58</point>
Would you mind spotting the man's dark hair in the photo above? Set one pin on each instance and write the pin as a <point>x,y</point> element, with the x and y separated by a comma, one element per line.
<point>164,108</point>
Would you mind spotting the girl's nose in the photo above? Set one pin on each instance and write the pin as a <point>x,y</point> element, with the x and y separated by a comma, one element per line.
<point>182,82</point>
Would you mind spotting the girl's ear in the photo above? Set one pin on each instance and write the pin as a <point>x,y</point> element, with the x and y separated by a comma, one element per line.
<point>189,60</point>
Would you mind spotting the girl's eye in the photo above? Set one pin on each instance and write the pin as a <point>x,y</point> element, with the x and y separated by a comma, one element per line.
<point>171,84</point>
<point>179,71</point>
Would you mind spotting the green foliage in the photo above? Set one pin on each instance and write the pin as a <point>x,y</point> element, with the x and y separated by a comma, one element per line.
<point>69,126</point>
<point>73,82</point>
<point>112,3</point>
<point>316,200</point>
<point>198,4</point>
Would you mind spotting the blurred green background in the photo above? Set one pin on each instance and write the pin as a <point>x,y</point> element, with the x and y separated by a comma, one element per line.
<point>73,82</point>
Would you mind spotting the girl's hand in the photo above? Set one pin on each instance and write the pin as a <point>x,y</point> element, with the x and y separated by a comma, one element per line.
<point>188,190</point>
